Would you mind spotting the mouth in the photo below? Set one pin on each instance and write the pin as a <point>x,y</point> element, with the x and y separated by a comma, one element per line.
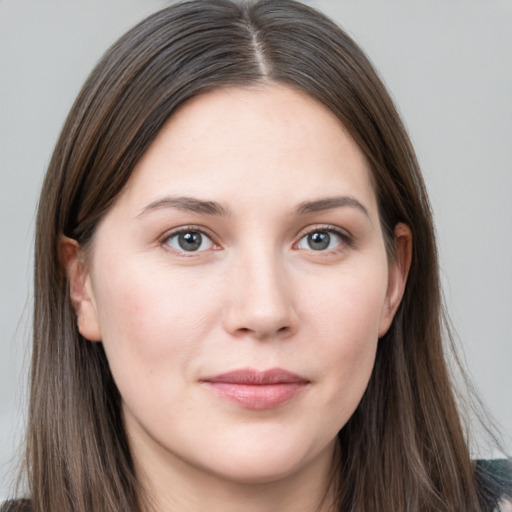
<point>253,389</point>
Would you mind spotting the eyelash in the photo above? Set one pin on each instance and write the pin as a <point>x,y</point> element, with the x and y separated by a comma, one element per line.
<point>346,240</point>
<point>183,230</point>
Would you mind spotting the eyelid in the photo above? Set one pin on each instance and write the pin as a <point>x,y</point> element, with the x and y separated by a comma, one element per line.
<point>346,237</point>
<point>187,229</point>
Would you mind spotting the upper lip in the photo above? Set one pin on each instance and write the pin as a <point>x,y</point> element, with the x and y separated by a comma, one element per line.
<point>250,376</point>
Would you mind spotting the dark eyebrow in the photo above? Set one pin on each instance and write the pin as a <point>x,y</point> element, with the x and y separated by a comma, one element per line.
<point>330,202</point>
<point>195,205</point>
<point>187,203</point>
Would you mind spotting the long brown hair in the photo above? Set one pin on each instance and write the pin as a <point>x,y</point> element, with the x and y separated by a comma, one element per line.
<point>404,449</point>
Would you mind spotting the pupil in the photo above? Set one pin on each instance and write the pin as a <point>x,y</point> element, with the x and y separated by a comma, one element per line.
<point>190,241</point>
<point>318,241</point>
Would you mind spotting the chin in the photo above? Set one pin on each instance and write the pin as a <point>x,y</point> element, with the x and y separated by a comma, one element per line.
<point>248,471</point>
<point>264,462</point>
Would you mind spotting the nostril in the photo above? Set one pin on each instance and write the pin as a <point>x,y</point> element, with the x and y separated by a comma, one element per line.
<point>260,316</point>
<point>264,333</point>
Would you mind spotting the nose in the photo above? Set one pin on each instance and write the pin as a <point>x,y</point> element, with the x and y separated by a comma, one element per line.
<point>260,301</point>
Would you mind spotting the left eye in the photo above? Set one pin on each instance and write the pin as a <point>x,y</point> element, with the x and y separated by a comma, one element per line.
<point>189,241</point>
<point>320,240</point>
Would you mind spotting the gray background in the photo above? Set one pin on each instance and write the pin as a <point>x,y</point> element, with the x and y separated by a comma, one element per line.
<point>448,65</point>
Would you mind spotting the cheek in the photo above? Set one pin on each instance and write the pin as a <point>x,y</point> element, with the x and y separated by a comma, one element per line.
<point>345,321</point>
<point>350,303</point>
<point>148,320</point>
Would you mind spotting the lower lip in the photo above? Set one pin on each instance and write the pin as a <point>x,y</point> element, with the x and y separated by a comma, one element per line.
<point>259,396</point>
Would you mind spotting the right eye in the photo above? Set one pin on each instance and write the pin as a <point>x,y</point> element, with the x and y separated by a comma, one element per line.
<point>189,240</point>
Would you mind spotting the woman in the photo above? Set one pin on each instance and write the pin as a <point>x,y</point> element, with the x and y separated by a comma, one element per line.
<point>236,292</point>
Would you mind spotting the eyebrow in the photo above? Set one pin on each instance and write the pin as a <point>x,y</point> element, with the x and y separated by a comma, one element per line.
<point>189,204</point>
<point>192,204</point>
<point>329,203</point>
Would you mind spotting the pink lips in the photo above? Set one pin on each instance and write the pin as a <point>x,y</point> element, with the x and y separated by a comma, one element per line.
<point>254,389</point>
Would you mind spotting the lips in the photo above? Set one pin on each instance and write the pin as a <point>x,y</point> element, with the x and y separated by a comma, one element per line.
<point>253,389</point>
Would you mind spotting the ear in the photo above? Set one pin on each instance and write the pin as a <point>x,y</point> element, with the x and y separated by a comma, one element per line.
<point>398,272</point>
<point>80,288</point>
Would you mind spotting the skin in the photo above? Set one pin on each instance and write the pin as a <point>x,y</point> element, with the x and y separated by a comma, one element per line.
<point>255,295</point>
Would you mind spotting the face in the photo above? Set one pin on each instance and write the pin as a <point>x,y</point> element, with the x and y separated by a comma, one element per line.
<point>239,285</point>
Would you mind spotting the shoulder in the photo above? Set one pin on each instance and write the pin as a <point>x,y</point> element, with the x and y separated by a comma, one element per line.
<point>495,480</point>
<point>16,506</point>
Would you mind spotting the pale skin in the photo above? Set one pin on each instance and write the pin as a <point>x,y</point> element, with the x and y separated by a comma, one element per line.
<point>290,271</point>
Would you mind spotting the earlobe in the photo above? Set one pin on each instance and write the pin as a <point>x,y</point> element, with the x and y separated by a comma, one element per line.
<point>80,289</point>
<point>398,272</point>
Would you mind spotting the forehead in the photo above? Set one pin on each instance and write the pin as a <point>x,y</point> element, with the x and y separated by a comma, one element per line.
<point>252,142</point>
